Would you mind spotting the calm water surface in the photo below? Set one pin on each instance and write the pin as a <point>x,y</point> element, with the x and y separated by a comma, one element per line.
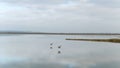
<point>33,51</point>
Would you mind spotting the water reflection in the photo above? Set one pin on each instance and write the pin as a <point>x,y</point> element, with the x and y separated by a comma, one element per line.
<point>38,52</point>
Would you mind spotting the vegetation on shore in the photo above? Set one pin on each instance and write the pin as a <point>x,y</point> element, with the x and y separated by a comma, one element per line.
<point>113,40</point>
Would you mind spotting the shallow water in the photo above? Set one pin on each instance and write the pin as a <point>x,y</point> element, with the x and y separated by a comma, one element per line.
<point>33,51</point>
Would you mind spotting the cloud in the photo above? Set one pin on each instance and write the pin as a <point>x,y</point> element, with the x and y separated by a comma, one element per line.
<point>46,15</point>
<point>107,3</point>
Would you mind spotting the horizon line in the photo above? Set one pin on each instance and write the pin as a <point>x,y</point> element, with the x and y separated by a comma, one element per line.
<point>54,33</point>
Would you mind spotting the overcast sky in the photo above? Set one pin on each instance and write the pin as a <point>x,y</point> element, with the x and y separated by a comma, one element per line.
<point>60,15</point>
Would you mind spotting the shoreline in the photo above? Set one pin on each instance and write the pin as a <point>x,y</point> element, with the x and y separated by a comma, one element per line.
<point>113,40</point>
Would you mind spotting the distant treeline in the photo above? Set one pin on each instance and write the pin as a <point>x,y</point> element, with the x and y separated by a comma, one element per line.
<point>48,33</point>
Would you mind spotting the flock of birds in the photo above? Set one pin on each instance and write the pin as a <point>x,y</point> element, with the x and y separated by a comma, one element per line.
<point>59,47</point>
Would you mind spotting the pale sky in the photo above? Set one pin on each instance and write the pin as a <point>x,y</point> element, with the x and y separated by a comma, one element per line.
<point>60,15</point>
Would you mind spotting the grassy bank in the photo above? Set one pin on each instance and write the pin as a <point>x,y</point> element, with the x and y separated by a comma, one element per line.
<point>97,40</point>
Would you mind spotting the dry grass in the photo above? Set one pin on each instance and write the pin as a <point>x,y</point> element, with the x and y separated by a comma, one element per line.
<point>98,40</point>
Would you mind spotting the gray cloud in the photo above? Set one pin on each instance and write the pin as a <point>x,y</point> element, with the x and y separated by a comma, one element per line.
<point>107,3</point>
<point>42,15</point>
<point>37,1</point>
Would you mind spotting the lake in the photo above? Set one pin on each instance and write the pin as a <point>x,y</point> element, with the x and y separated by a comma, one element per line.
<point>46,51</point>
